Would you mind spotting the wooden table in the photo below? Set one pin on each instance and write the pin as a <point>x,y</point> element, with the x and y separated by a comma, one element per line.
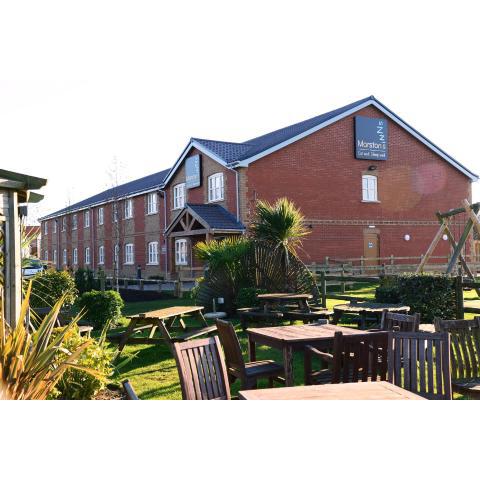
<point>294,338</point>
<point>339,391</point>
<point>363,309</point>
<point>272,299</point>
<point>152,320</point>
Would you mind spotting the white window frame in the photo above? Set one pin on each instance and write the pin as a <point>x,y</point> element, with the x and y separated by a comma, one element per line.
<point>115,213</point>
<point>86,219</point>
<point>75,256</point>
<point>181,252</point>
<point>216,189</point>
<point>64,256</point>
<point>129,254</point>
<point>87,256</point>
<point>100,214</point>
<point>64,224</point>
<point>45,228</point>
<point>55,256</point>
<point>128,208</point>
<point>369,188</point>
<point>101,255</point>
<point>74,221</point>
<point>152,203</point>
<point>54,226</point>
<point>152,249</point>
<point>179,196</point>
<point>116,252</point>
<point>45,255</point>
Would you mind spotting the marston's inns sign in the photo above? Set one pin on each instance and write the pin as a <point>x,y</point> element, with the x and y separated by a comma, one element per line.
<point>371,138</point>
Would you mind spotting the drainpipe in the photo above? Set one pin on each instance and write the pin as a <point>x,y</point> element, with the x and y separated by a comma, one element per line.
<point>164,230</point>
<point>237,189</point>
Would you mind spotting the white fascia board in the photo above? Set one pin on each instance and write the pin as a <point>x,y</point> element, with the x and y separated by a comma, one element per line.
<point>198,146</point>
<point>388,113</point>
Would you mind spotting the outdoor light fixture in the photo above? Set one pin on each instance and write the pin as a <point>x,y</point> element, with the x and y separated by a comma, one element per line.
<point>445,237</point>
<point>372,168</point>
<point>407,237</point>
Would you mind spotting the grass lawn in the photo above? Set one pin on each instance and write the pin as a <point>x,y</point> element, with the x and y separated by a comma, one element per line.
<point>153,372</point>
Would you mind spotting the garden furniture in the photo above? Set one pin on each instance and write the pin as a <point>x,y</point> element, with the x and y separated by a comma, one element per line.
<point>401,322</point>
<point>129,391</point>
<point>202,370</point>
<point>355,358</point>
<point>247,372</point>
<point>340,391</point>
<point>365,309</point>
<point>420,362</point>
<point>294,338</point>
<point>464,354</point>
<point>64,317</point>
<point>187,335</point>
<point>272,300</point>
<point>257,315</point>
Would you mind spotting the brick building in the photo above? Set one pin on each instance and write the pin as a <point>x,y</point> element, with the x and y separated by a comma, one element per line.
<point>367,182</point>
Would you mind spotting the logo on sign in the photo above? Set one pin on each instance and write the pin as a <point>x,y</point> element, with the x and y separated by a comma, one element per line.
<point>192,172</point>
<point>371,138</point>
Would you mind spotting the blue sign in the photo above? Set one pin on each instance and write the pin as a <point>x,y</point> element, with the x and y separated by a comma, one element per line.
<point>192,172</point>
<point>371,138</point>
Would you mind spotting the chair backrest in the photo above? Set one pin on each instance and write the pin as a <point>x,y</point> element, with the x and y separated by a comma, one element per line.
<point>231,346</point>
<point>400,322</point>
<point>202,371</point>
<point>420,362</point>
<point>359,358</point>
<point>464,346</point>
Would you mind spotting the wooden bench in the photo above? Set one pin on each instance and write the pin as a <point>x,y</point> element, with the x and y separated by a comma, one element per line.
<point>257,315</point>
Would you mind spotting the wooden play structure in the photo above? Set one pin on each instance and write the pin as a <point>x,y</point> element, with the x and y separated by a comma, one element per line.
<point>445,220</point>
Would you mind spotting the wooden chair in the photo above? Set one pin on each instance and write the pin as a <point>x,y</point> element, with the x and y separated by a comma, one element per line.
<point>129,391</point>
<point>399,322</point>
<point>247,372</point>
<point>188,335</point>
<point>355,358</point>
<point>464,354</point>
<point>202,370</point>
<point>420,362</point>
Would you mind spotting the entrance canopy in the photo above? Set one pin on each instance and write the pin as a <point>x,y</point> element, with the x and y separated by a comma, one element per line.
<point>204,219</point>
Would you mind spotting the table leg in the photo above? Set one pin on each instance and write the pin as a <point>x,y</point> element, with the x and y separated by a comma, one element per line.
<point>202,318</point>
<point>288,364</point>
<point>252,354</point>
<point>363,320</point>
<point>127,334</point>
<point>337,315</point>
<point>182,323</point>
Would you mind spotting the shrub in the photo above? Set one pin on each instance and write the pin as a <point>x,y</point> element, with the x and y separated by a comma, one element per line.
<point>388,291</point>
<point>79,384</point>
<point>101,307</point>
<point>196,288</point>
<point>85,280</point>
<point>50,286</point>
<point>247,297</point>
<point>430,295</point>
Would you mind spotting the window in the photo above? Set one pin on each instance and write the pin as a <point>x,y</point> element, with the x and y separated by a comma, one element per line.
<point>181,252</point>
<point>64,256</point>
<point>129,254</point>
<point>179,196</point>
<point>215,187</point>
<point>54,226</point>
<point>153,253</point>
<point>75,256</point>
<point>115,254</point>
<point>101,255</point>
<point>128,208</point>
<point>64,224</point>
<point>152,206</point>
<point>87,256</point>
<point>74,221</point>
<point>369,188</point>
<point>45,228</point>
<point>86,219</point>
<point>100,215</point>
<point>115,213</point>
<point>45,255</point>
<point>55,257</point>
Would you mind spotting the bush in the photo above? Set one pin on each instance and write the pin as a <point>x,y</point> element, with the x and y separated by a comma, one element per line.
<point>77,384</point>
<point>196,288</point>
<point>247,297</point>
<point>85,280</point>
<point>388,291</point>
<point>101,307</point>
<point>430,295</point>
<point>49,286</point>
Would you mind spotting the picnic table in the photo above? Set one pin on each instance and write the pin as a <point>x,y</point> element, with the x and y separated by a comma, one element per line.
<point>365,309</point>
<point>294,338</point>
<point>340,391</point>
<point>164,319</point>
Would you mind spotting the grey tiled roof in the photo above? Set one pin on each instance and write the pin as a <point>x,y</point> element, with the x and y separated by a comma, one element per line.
<point>216,216</point>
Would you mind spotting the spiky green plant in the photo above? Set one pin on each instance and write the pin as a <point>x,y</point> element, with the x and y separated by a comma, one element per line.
<point>29,366</point>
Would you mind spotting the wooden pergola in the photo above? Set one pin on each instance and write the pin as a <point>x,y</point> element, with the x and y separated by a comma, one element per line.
<point>15,193</point>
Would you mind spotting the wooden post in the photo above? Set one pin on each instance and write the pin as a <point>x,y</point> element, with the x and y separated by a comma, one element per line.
<point>323,289</point>
<point>459,297</point>
<point>342,283</point>
<point>326,261</point>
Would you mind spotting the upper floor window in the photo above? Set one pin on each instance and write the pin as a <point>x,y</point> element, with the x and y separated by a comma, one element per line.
<point>55,257</point>
<point>45,255</point>
<point>64,257</point>
<point>152,203</point>
<point>64,224</point>
<point>86,219</point>
<point>128,208</point>
<point>115,213</point>
<point>129,258</point>
<point>179,196</point>
<point>181,251</point>
<point>215,187</point>
<point>45,227</point>
<point>153,253</point>
<point>100,215</point>
<point>101,255</point>
<point>87,256</point>
<point>74,221</point>
<point>115,254</point>
<point>75,256</point>
<point>54,226</point>
<point>369,188</point>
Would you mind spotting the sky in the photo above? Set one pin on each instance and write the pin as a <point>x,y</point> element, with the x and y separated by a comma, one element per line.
<point>91,88</point>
